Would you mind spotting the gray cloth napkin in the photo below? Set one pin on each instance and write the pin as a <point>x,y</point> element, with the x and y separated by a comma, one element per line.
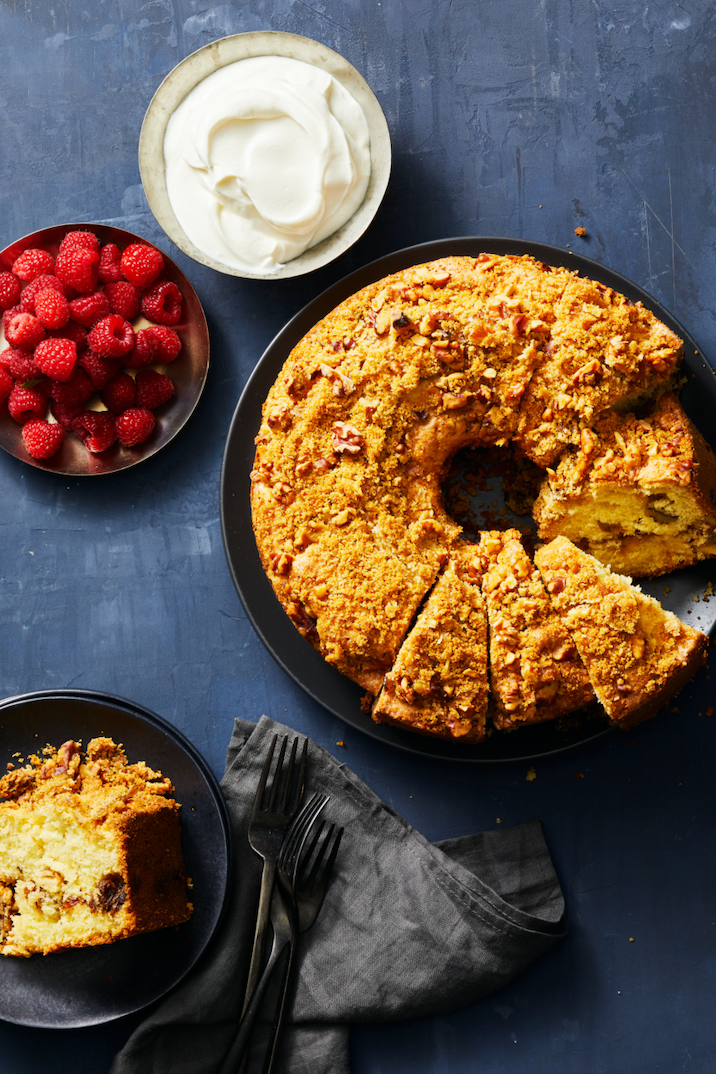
<point>407,928</point>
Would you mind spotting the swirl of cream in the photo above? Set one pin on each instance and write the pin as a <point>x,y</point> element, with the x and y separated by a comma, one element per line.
<point>265,158</point>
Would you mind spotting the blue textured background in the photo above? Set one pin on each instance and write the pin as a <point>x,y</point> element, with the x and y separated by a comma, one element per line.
<point>508,118</point>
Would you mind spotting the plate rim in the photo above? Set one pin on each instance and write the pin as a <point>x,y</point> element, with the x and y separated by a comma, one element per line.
<point>285,339</point>
<point>136,710</point>
<point>25,242</point>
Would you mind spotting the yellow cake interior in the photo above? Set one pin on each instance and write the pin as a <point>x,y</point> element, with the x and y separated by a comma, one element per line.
<point>90,851</point>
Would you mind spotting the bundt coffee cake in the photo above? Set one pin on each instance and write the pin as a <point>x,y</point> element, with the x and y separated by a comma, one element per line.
<point>89,851</point>
<point>637,654</point>
<point>360,426</point>
<point>639,492</point>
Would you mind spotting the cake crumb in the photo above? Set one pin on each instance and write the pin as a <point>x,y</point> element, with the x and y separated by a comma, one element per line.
<point>341,743</point>
<point>581,231</point>
<point>579,775</point>
<point>531,775</point>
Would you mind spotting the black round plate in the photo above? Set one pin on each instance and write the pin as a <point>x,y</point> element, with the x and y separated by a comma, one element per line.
<point>295,655</point>
<point>91,985</point>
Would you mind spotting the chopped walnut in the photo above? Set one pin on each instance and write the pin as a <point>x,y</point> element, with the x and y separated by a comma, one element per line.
<point>279,417</point>
<point>346,438</point>
<point>281,562</point>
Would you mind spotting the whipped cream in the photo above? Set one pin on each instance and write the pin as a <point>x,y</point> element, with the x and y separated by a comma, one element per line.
<point>265,158</point>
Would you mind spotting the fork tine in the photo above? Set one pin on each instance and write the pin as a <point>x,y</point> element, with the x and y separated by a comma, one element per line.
<point>264,776</point>
<point>300,787</point>
<point>299,831</point>
<point>321,868</point>
<point>289,780</point>
<point>276,782</point>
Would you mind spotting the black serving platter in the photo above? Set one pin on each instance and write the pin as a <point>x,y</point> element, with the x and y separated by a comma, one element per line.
<point>92,985</point>
<point>290,650</point>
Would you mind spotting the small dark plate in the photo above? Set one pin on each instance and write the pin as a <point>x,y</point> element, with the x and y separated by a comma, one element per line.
<point>91,985</point>
<point>188,371</point>
<point>295,655</point>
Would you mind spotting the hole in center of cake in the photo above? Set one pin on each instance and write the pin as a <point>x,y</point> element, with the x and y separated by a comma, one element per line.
<point>491,489</point>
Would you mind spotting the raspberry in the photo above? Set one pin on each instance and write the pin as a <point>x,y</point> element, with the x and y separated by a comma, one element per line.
<point>10,288</point>
<point>42,438</point>
<point>26,403</point>
<point>120,393</point>
<point>19,364</point>
<point>99,370</point>
<point>32,263</point>
<point>9,316</point>
<point>166,342</point>
<point>24,331</point>
<point>56,358</point>
<point>111,337</point>
<point>145,350</point>
<point>110,263</point>
<point>96,429</point>
<point>141,264</point>
<point>77,267</point>
<point>162,303</point>
<point>124,298</point>
<point>153,389</point>
<point>79,240</point>
<point>64,413</point>
<point>5,385</point>
<point>73,392</point>
<point>134,426</point>
<point>52,309</point>
<point>88,309</point>
<point>40,283</point>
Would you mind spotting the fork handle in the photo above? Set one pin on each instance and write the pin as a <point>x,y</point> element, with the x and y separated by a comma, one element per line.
<point>279,1014</point>
<point>262,918</point>
<point>239,1046</point>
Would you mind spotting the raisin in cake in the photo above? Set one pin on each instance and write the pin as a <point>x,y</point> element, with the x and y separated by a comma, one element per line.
<point>90,851</point>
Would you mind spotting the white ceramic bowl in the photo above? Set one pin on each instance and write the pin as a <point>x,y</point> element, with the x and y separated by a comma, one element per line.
<point>193,70</point>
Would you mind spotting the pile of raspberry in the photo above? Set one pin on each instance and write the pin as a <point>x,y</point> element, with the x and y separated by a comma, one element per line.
<point>68,325</point>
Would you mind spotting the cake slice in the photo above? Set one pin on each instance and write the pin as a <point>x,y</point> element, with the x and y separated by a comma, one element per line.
<point>535,670</point>
<point>439,682</point>
<point>90,851</point>
<point>636,653</point>
<point>639,493</point>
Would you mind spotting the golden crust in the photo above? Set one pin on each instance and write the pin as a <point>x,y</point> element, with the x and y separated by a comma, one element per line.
<point>637,654</point>
<point>536,673</point>
<point>89,851</point>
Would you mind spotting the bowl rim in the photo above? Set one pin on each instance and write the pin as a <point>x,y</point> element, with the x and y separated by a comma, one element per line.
<point>210,58</point>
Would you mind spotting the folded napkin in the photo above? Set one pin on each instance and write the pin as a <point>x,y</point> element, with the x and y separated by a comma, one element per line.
<point>407,928</point>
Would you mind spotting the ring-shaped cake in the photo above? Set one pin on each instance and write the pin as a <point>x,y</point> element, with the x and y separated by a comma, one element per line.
<point>358,430</point>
